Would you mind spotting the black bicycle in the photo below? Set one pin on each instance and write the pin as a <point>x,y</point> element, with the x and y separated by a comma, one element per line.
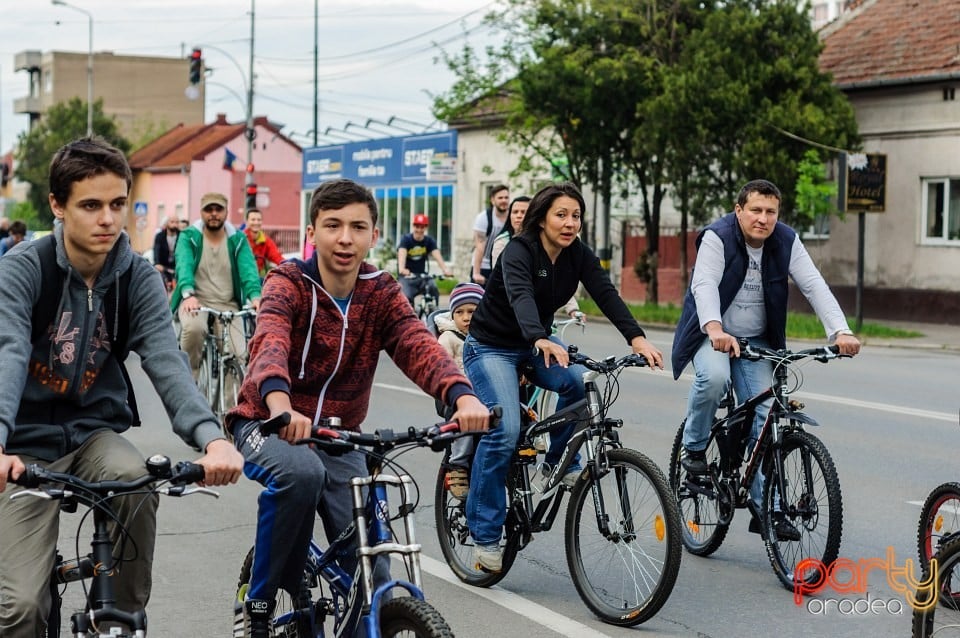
<point>801,485</point>
<point>428,297</point>
<point>100,565</point>
<point>622,533</point>
<point>936,604</point>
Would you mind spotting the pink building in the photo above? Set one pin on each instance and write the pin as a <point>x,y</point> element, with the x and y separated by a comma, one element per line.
<point>172,173</point>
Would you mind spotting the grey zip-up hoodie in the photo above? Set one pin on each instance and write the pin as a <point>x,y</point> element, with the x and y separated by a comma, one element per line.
<point>55,393</point>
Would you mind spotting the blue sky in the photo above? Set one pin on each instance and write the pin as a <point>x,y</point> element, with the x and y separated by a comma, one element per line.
<point>377,57</point>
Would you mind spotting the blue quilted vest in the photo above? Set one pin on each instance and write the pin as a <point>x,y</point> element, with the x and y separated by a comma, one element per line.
<point>775,266</point>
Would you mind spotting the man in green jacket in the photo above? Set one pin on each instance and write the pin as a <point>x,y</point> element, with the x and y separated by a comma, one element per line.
<point>215,269</point>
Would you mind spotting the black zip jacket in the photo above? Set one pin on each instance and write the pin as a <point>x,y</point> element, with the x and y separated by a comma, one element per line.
<point>525,291</point>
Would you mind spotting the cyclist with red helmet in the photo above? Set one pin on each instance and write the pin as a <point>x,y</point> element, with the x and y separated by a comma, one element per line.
<point>412,253</point>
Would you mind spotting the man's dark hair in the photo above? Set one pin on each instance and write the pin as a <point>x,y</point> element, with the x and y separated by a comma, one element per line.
<point>339,193</point>
<point>246,215</point>
<point>84,158</point>
<point>759,186</point>
<point>509,226</point>
<point>18,228</point>
<point>542,201</point>
<point>496,189</point>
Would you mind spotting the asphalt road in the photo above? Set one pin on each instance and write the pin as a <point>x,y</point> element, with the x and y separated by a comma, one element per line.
<point>889,419</point>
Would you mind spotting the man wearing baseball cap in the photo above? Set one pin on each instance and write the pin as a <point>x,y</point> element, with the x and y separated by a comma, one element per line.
<point>215,269</point>
<point>412,260</point>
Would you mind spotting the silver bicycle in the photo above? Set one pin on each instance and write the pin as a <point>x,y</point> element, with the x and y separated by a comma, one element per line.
<point>221,369</point>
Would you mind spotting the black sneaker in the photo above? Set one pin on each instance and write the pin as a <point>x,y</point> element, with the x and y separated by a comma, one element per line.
<point>258,616</point>
<point>694,461</point>
<point>786,531</point>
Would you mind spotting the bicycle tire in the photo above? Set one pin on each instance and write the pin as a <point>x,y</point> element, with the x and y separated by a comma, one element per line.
<point>231,379</point>
<point>701,531</point>
<point>939,520</point>
<point>624,579</point>
<point>206,379</point>
<point>456,543</point>
<point>284,603</point>
<point>940,617</point>
<point>411,617</point>
<point>807,506</point>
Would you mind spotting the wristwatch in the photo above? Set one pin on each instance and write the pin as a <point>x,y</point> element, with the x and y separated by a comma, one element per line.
<point>187,294</point>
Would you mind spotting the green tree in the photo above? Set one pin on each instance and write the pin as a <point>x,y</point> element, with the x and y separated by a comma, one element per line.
<point>61,123</point>
<point>25,212</point>
<point>814,193</point>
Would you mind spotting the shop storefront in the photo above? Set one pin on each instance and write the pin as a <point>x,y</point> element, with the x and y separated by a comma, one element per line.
<point>408,176</point>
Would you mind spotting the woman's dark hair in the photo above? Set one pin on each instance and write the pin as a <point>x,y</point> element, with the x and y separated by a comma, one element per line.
<point>542,201</point>
<point>84,158</point>
<point>509,225</point>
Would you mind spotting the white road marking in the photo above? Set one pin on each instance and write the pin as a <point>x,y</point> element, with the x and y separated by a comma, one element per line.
<point>513,602</point>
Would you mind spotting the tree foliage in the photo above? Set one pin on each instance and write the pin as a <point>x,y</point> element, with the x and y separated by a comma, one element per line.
<point>666,98</point>
<point>61,123</point>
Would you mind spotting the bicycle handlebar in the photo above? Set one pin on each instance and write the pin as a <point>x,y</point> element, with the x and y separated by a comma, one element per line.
<point>334,441</point>
<point>609,364</point>
<point>819,353</point>
<point>228,314</point>
<point>158,468</point>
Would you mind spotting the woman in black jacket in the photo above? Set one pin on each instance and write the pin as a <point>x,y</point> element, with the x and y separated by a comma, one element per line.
<point>536,274</point>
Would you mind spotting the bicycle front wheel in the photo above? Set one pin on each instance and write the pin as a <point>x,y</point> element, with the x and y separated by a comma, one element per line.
<point>286,622</point>
<point>412,618</point>
<point>624,573</point>
<point>457,544</point>
<point>703,521</point>
<point>811,502</point>
<point>939,520</point>
<point>207,378</point>
<point>937,606</point>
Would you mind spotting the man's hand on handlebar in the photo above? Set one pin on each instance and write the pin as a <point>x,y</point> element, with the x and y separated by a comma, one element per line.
<point>721,341</point>
<point>849,345</point>
<point>222,463</point>
<point>10,467</point>
<point>471,414</point>
<point>648,351</point>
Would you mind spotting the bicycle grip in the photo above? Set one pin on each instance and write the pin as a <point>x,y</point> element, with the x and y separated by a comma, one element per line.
<point>30,477</point>
<point>272,426</point>
<point>496,415</point>
<point>185,473</point>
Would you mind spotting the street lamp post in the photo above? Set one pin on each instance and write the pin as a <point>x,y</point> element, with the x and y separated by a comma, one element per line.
<point>61,3</point>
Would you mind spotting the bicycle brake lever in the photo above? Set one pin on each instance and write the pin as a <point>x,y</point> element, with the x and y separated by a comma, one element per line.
<point>187,490</point>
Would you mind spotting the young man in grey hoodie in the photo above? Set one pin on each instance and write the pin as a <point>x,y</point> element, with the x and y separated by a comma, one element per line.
<point>63,398</point>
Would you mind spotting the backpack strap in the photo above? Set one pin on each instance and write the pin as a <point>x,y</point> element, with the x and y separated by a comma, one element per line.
<point>45,310</point>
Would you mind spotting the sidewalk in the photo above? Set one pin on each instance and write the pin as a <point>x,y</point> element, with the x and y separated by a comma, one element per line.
<point>935,336</point>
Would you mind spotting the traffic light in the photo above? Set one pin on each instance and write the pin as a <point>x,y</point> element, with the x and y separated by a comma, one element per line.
<point>196,66</point>
<point>251,201</point>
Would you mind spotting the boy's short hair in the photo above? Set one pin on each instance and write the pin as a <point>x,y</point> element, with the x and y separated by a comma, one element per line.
<point>465,293</point>
<point>84,158</point>
<point>18,227</point>
<point>339,193</point>
<point>246,215</point>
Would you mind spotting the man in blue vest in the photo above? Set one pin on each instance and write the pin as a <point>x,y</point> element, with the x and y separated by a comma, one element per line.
<point>739,290</point>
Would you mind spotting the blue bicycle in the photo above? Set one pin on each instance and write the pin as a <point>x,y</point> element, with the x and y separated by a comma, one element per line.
<point>350,601</point>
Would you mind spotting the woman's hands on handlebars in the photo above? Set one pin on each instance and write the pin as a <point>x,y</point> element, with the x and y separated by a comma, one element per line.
<point>648,351</point>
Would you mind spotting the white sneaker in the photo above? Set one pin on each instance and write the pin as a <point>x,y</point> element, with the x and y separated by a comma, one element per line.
<point>488,558</point>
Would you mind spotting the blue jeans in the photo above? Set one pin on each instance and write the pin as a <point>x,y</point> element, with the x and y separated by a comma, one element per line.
<point>493,371</point>
<point>713,371</point>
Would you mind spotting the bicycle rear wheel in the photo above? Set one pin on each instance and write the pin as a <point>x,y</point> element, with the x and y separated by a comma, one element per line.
<point>412,618</point>
<point>939,520</point>
<point>811,502</point>
<point>286,623</point>
<point>937,607</point>
<point>456,542</point>
<point>702,529</point>
<point>626,574</point>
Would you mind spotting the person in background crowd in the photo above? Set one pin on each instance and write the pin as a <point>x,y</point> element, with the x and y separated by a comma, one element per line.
<point>164,250</point>
<point>264,249</point>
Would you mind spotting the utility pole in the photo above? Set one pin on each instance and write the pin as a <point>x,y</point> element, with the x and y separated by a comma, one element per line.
<point>316,60</point>
<point>250,132</point>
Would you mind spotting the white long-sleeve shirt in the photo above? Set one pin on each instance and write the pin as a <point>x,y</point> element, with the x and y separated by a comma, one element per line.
<point>746,316</point>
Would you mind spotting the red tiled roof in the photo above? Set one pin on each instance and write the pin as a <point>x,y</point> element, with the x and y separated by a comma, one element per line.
<point>182,144</point>
<point>893,41</point>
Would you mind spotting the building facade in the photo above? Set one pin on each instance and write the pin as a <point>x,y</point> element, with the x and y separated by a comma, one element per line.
<point>145,94</point>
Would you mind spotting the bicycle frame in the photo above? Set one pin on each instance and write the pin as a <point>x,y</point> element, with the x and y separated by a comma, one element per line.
<point>589,416</point>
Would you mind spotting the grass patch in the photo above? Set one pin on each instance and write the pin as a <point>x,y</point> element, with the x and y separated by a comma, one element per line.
<point>445,285</point>
<point>799,325</point>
